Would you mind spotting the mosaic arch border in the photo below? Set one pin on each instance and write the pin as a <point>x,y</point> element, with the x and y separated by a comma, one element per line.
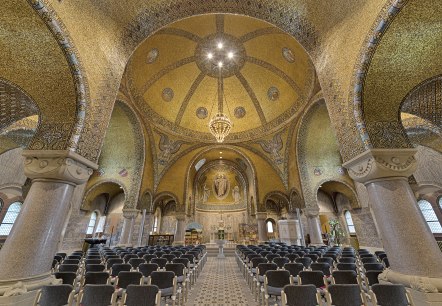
<point>96,185</point>
<point>60,34</point>
<point>346,184</point>
<point>146,193</point>
<point>381,25</point>
<point>140,149</point>
<point>298,195</point>
<point>197,157</point>
<point>163,194</point>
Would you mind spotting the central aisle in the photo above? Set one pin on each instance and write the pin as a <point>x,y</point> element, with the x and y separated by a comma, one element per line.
<point>221,283</point>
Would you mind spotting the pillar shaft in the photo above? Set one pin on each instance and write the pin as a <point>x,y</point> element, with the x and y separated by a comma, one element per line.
<point>30,247</point>
<point>262,230</point>
<point>129,216</point>
<point>314,227</point>
<point>411,248</point>
<point>410,245</point>
<point>180,229</point>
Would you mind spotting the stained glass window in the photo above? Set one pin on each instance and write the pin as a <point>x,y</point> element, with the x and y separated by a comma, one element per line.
<point>350,224</point>
<point>9,219</point>
<point>430,216</point>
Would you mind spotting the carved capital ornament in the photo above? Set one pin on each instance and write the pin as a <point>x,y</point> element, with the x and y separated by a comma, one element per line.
<point>58,165</point>
<point>377,164</point>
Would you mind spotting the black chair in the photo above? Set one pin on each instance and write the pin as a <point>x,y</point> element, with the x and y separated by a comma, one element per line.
<point>270,257</point>
<point>373,267</point>
<point>149,257</point>
<point>344,277</point>
<point>92,262</point>
<point>346,266</point>
<point>321,266</point>
<point>294,269</point>
<point>137,295</point>
<point>135,262</point>
<point>280,261</point>
<point>71,261</point>
<point>111,261</point>
<point>181,278</point>
<point>345,295</point>
<point>117,268</point>
<point>96,278</point>
<point>260,274</point>
<point>58,258</point>
<point>313,257</point>
<point>312,278</point>
<point>367,260</point>
<point>97,295</point>
<point>166,282</point>
<point>351,260</point>
<point>169,257</point>
<point>68,268</point>
<point>126,278</point>
<point>306,261</point>
<point>147,268</point>
<point>55,295</point>
<point>371,278</point>
<point>274,281</point>
<point>95,268</point>
<point>328,260</point>
<point>127,257</point>
<point>300,295</point>
<point>292,257</point>
<point>390,295</point>
<point>68,278</point>
<point>161,262</point>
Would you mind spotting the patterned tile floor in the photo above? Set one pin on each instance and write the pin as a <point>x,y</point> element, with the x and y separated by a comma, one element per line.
<point>221,283</point>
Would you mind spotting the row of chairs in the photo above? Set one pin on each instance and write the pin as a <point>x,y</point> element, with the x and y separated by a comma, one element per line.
<point>267,278</point>
<point>86,277</point>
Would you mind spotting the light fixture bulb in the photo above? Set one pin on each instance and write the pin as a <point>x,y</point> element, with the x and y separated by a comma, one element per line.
<point>220,64</point>
<point>220,45</point>
<point>230,55</point>
<point>210,56</point>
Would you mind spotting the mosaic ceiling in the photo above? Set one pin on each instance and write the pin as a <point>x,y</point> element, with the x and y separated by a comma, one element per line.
<point>174,77</point>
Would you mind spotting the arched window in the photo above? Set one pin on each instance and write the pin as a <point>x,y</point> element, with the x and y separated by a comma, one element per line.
<point>155,224</point>
<point>1,205</point>
<point>430,216</point>
<point>270,226</point>
<point>350,224</point>
<point>440,202</point>
<point>91,226</point>
<point>9,219</point>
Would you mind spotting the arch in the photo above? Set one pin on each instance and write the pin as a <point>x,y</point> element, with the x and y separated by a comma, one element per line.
<point>295,200</point>
<point>163,199</point>
<point>146,201</point>
<point>112,187</point>
<point>10,218</point>
<point>278,198</point>
<point>331,186</point>
<point>270,225</point>
<point>60,34</point>
<point>92,223</point>
<point>366,55</point>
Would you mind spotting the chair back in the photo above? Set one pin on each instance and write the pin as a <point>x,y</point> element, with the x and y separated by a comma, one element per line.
<point>258,260</point>
<point>294,268</point>
<point>367,260</point>
<point>300,295</point>
<point>390,295</point>
<point>135,262</point>
<point>345,295</point>
<point>292,257</point>
<point>321,266</point>
<point>96,278</point>
<point>162,279</point>
<point>346,266</point>
<point>169,257</point>
<point>111,261</point>
<point>95,268</point>
<point>92,261</point>
<point>345,277</point>
<point>137,295</point>
<point>71,262</point>
<point>347,260</point>
<point>159,261</point>
<point>147,268</point>
<point>277,278</point>
<point>372,277</point>
<point>117,268</point>
<point>97,295</point>
<point>264,267</point>
<point>184,261</point>
<point>373,267</point>
<point>68,278</point>
<point>126,278</point>
<point>67,268</point>
<point>306,261</point>
<point>56,295</point>
<point>328,260</point>
<point>149,257</point>
<point>177,268</point>
<point>280,261</point>
<point>312,278</point>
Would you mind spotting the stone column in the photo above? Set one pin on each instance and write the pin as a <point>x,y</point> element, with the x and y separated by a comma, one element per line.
<point>180,229</point>
<point>314,227</point>
<point>262,230</point>
<point>129,215</point>
<point>29,250</point>
<point>411,248</point>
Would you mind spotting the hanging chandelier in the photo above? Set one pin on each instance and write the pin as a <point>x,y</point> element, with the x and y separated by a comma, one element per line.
<point>220,124</point>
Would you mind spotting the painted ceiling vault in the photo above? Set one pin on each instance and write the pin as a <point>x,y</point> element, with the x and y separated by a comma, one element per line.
<point>174,77</point>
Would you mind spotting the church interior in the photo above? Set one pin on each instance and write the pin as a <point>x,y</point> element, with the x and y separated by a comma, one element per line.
<point>221,152</point>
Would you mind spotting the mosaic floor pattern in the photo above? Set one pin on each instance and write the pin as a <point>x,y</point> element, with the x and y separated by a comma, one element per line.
<point>221,283</point>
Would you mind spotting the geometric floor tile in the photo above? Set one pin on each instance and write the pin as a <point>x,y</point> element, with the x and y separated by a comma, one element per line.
<point>221,283</point>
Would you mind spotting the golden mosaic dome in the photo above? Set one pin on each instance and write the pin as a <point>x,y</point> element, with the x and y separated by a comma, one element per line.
<point>174,77</point>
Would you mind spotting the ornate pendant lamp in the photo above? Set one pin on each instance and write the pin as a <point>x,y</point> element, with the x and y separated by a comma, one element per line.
<point>220,124</point>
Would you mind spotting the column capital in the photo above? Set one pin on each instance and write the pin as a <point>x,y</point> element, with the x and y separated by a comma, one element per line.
<point>130,213</point>
<point>375,164</point>
<point>180,216</point>
<point>311,212</point>
<point>58,165</point>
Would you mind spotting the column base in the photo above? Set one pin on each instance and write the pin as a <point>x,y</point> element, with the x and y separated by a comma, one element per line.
<point>425,299</point>
<point>16,287</point>
<point>26,299</point>
<point>178,243</point>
